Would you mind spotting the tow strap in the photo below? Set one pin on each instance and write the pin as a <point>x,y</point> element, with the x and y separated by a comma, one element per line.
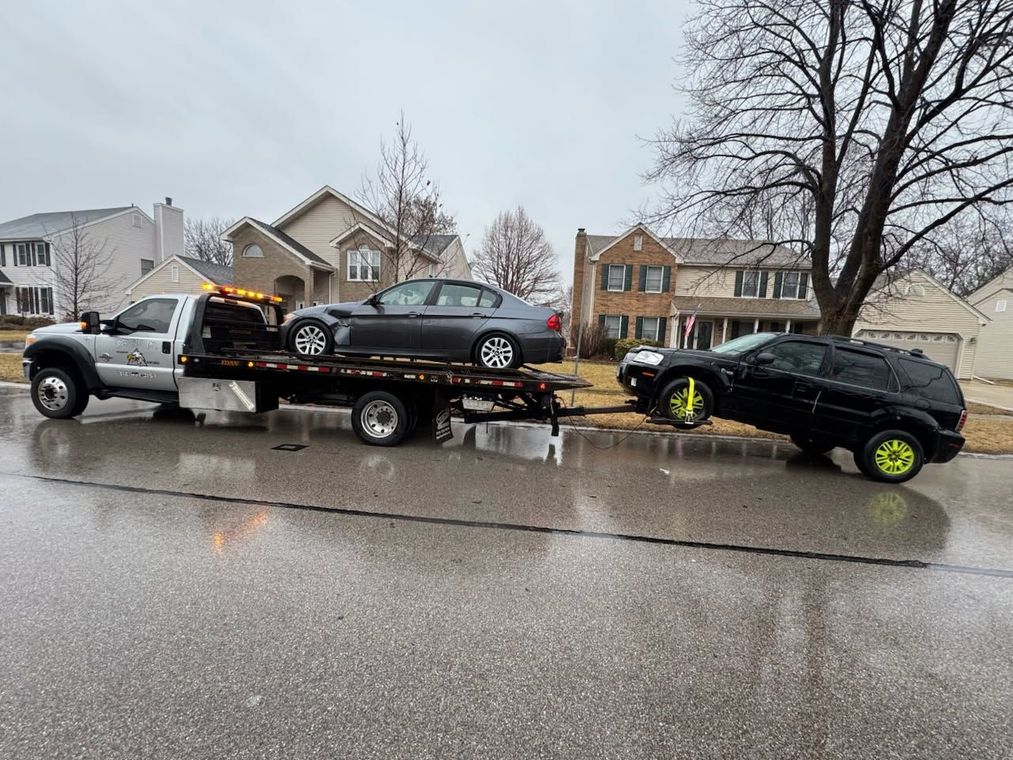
<point>689,401</point>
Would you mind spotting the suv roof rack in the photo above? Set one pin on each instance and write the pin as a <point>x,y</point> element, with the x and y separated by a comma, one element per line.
<point>916,352</point>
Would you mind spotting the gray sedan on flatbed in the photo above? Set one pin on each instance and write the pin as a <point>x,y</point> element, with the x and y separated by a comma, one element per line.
<point>450,320</point>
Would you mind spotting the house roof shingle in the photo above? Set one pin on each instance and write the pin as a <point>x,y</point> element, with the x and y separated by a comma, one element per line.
<point>291,242</point>
<point>718,251</point>
<point>4,279</point>
<point>37,226</point>
<point>434,244</point>
<point>787,308</point>
<point>217,273</point>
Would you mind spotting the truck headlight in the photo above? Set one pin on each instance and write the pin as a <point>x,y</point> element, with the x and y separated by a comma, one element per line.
<point>30,339</point>
<point>649,357</point>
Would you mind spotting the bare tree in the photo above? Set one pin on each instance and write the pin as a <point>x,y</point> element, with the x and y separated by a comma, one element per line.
<point>202,239</point>
<point>968,253</point>
<point>856,131</point>
<point>404,197</point>
<point>81,265</point>
<point>516,256</point>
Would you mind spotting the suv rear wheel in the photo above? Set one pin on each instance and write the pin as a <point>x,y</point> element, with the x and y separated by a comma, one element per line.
<point>893,456</point>
<point>811,444</point>
<point>682,403</point>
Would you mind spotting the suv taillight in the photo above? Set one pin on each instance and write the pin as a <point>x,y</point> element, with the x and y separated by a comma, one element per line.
<point>554,323</point>
<point>963,419</point>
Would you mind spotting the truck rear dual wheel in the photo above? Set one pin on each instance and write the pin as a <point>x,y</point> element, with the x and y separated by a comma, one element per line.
<point>380,418</point>
<point>893,456</point>
<point>58,394</point>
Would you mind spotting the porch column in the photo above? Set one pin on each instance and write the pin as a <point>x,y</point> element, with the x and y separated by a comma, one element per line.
<point>756,325</point>
<point>724,331</point>
<point>787,326</point>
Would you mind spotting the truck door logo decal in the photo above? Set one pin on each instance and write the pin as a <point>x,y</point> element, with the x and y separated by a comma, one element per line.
<point>136,359</point>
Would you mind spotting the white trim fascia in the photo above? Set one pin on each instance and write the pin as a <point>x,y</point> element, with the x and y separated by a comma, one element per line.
<point>328,190</point>
<point>974,299</point>
<point>253,223</point>
<point>360,227</point>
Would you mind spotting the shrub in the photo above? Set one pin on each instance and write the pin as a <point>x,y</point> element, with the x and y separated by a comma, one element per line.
<point>624,346</point>
<point>18,322</point>
<point>593,340</point>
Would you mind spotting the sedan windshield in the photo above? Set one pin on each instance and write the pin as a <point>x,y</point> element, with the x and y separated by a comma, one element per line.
<point>744,343</point>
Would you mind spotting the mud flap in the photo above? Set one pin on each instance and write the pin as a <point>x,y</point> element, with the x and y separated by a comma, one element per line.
<point>441,418</point>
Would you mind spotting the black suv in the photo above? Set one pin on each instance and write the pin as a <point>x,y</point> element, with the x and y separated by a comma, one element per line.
<point>894,409</point>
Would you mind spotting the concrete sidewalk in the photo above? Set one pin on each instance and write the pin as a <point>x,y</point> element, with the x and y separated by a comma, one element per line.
<point>994,395</point>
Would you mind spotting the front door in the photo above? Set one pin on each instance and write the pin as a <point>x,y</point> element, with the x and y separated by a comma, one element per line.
<point>137,352</point>
<point>392,320</point>
<point>453,321</point>
<point>701,335</point>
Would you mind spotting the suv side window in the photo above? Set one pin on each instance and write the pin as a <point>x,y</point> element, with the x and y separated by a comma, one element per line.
<point>151,315</point>
<point>862,369</point>
<point>798,356</point>
<point>930,381</point>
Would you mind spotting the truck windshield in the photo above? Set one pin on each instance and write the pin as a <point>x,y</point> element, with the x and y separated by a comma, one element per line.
<point>744,343</point>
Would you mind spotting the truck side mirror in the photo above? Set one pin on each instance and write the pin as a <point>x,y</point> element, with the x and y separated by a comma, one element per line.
<point>90,323</point>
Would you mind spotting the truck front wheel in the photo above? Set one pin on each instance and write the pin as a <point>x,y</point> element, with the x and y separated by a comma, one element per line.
<point>58,394</point>
<point>380,418</point>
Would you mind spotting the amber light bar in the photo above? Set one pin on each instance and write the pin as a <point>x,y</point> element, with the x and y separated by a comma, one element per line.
<point>228,290</point>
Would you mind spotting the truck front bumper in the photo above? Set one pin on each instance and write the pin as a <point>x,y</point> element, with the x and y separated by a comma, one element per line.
<point>26,369</point>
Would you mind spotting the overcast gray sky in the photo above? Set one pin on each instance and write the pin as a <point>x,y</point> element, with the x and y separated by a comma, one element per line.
<point>246,108</point>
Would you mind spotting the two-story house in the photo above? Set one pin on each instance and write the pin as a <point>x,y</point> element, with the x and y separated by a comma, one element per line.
<point>106,249</point>
<point>689,292</point>
<point>995,343</point>
<point>329,248</point>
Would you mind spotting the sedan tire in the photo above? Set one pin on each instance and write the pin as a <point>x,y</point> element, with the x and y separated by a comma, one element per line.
<point>310,338</point>
<point>497,351</point>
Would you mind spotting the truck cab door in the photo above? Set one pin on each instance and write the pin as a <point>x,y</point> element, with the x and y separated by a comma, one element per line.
<point>135,348</point>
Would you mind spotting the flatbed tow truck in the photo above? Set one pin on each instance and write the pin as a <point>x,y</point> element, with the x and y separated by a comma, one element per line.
<point>224,353</point>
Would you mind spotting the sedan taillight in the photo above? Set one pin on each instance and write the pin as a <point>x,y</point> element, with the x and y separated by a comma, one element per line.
<point>554,323</point>
<point>963,419</point>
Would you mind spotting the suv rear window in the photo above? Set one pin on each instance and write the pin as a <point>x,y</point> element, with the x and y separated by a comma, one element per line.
<point>862,369</point>
<point>930,381</point>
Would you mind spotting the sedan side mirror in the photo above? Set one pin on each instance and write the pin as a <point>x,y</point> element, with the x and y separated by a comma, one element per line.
<point>90,323</point>
<point>764,358</point>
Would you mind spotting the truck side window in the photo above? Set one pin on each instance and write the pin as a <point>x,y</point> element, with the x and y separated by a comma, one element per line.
<point>152,315</point>
<point>862,369</point>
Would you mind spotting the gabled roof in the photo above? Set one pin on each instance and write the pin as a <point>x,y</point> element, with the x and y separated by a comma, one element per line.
<point>982,317</point>
<point>434,244</point>
<point>323,192</point>
<point>4,279</point>
<point>216,274</point>
<point>289,243</point>
<point>715,252</point>
<point>38,226</point>
<point>360,227</point>
<point>998,283</point>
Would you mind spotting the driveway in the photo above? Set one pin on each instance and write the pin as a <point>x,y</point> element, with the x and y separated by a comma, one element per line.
<point>993,395</point>
<point>181,591</point>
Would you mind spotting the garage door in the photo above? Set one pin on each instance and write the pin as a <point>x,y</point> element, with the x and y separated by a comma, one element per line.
<point>941,347</point>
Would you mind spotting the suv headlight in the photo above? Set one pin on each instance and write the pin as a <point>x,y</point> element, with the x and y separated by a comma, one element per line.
<point>649,357</point>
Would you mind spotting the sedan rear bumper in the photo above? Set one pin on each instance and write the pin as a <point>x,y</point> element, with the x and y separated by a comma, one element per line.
<point>536,349</point>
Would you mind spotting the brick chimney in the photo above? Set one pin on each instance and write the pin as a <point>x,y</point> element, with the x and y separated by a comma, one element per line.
<point>579,262</point>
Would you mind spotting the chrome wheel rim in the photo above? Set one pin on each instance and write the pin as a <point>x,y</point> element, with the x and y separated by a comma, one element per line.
<point>379,419</point>
<point>310,340</point>
<point>53,394</point>
<point>496,353</point>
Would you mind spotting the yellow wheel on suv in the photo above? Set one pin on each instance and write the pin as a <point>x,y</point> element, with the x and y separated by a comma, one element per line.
<point>686,400</point>
<point>892,456</point>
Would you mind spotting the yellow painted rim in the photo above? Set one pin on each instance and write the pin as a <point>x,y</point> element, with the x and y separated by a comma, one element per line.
<point>680,406</point>
<point>894,457</point>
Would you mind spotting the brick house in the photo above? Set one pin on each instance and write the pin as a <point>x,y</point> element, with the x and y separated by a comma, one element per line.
<point>639,285</point>
<point>329,248</point>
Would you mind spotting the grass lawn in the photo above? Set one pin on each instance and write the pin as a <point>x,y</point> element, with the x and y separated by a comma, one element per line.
<point>7,336</point>
<point>985,435</point>
<point>10,368</point>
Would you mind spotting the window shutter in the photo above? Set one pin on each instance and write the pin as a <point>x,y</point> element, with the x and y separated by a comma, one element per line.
<point>639,328</point>
<point>604,276</point>
<point>666,279</point>
<point>803,285</point>
<point>3,255</point>
<point>643,280</point>
<point>49,261</point>
<point>738,283</point>
<point>662,324</point>
<point>763,285</point>
<point>778,278</point>
<point>624,326</point>
<point>601,321</point>
<point>629,278</point>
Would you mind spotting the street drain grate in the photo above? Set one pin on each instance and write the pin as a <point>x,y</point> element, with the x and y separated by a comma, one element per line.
<point>290,447</point>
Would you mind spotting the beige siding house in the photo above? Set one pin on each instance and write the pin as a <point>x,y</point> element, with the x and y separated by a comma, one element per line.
<point>329,248</point>
<point>179,274</point>
<point>995,350</point>
<point>916,311</point>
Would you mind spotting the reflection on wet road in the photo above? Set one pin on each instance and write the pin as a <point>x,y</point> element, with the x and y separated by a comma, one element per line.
<point>180,590</point>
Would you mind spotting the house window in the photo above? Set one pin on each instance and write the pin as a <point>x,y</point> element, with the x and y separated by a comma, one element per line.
<point>613,327</point>
<point>34,300</point>
<point>789,285</point>
<point>364,265</point>
<point>751,284</point>
<point>33,254</point>
<point>638,242</point>
<point>1000,306</point>
<point>146,266</point>
<point>136,219</point>
<point>653,279</point>
<point>616,278</point>
<point>649,328</point>
<point>174,273</point>
<point>253,251</point>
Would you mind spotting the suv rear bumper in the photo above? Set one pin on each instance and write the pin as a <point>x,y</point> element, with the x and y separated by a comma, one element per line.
<point>950,444</point>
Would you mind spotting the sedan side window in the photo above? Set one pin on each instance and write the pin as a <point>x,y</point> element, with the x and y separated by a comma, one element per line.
<point>798,356</point>
<point>488,299</point>
<point>152,315</point>
<point>407,294</point>
<point>858,368</point>
<point>459,295</point>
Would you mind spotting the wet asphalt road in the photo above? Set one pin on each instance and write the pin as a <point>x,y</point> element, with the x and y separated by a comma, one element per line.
<point>175,591</point>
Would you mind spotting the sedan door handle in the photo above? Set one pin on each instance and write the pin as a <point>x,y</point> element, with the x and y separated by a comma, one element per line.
<point>414,314</point>
<point>477,314</point>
